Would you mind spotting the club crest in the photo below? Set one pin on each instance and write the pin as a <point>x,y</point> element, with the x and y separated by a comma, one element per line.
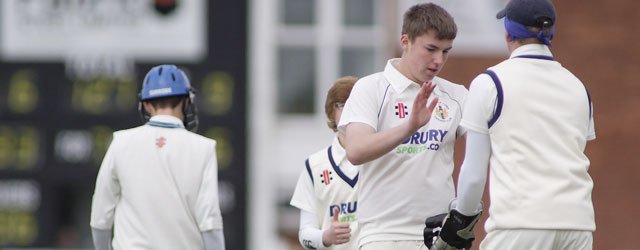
<point>441,112</point>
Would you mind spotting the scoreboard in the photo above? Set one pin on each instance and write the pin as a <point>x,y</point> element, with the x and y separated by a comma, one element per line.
<point>55,129</point>
<point>54,132</point>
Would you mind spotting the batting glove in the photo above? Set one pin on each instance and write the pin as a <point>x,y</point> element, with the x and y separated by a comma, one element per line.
<point>457,231</point>
<point>432,228</point>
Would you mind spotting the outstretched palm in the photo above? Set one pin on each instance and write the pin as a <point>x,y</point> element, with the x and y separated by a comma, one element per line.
<point>421,113</point>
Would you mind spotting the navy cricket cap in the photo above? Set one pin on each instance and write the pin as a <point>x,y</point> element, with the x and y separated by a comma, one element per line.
<point>529,12</point>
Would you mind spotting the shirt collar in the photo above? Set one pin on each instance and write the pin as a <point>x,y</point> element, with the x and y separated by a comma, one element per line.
<point>398,81</point>
<point>532,49</point>
<point>337,151</point>
<point>166,119</point>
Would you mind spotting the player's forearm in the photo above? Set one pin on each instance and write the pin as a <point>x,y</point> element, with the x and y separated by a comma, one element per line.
<point>470,192</point>
<point>101,239</point>
<point>473,173</point>
<point>311,238</point>
<point>213,239</point>
<point>366,146</point>
<point>310,234</point>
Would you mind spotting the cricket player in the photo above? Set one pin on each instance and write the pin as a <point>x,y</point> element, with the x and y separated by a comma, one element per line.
<point>530,119</point>
<point>157,187</point>
<point>401,125</point>
<point>326,189</point>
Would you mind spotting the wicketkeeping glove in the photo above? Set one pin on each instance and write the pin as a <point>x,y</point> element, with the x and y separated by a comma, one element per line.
<point>457,231</point>
<point>432,228</point>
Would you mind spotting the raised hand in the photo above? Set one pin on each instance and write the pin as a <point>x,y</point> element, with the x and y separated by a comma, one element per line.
<point>421,113</point>
<point>338,233</point>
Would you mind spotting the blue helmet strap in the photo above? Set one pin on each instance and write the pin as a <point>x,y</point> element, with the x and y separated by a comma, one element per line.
<point>519,31</point>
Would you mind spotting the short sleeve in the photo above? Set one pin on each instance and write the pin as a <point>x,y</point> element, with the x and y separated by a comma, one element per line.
<point>591,134</point>
<point>304,196</point>
<point>362,105</point>
<point>463,93</point>
<point>480,104</point>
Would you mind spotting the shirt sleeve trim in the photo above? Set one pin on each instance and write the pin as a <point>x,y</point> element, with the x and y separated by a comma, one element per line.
<point>309,170</point>
<point>500,98</point>
<point>473,127</point>
<point>589,98</point>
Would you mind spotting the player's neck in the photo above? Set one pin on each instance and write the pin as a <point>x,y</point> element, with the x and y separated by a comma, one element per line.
<point>175,112</point>
<point>403,67</point>
<point>340,138</point>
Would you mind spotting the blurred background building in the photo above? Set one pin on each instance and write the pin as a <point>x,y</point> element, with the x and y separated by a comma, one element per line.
<point>70,72</point>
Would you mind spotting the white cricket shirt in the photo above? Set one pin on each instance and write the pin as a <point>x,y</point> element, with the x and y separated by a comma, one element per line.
<point>158,187</point>
<point>399,190</point>
<point>539,119</point>
<point>330,180</point>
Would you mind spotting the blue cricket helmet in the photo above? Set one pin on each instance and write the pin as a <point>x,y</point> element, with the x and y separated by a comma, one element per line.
<point>165,81</point>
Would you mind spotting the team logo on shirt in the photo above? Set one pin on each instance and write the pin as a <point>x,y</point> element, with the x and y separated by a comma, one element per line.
<point>325,177</point>
<point>441,112</point>
<point>422,141</point>
<point>346,211</point>
<point>160,142</point>
<point>402,110</point>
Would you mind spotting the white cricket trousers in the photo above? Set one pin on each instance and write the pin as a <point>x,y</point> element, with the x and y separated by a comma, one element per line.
<point>395,245</point>
<point>525,239</point>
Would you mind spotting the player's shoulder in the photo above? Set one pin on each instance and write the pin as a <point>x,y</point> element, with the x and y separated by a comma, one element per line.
<point>516,65</point>
<point>121,139</point>
<point>501,65</point>
<point>126,134</point>
<point>372,80</point>
<point>457,91</point>
<point>198,139</point>
<point>318,159</point>
<point>372,77</point>
<point>370,85</point>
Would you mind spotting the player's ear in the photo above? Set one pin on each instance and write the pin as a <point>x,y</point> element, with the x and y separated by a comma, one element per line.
<point>404,41</point>
<point>148,107</point>
<point>507,37</point>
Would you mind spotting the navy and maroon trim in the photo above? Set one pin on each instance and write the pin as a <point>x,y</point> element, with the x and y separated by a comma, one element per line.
<point>500,99</point>
<point>351,182</point>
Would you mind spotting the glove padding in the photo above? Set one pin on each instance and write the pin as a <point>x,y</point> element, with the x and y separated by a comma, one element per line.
<point>432,228</point>
<point>457,231</point>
